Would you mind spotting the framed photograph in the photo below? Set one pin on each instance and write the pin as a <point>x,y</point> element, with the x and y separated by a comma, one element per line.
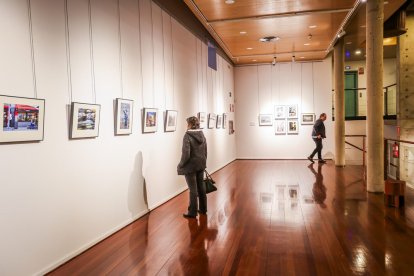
<point>292,126</point>
<point>292,111</point>
<point>84,120</point>
<point>265,120</point>
<point>23,119</point>
<point>219,122</point>
<point>231,127</point>
<point>171,120</point>
<point>308,118</point>
<point>202,117</point>
<point>123,116</point>
<point>280,126</point>
<point>224,120</point>
<point>211,120</point>
<point>280,112</point>
<point>149,120</point>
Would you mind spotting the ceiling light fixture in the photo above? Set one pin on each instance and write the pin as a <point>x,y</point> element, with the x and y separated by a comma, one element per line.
<point>269,39</point>
<point>309,36</point>
<point>302,57</point>
<point>249,48</point>
<point>349,43</point>
<point>306,44</point>
<point>228,2</point>
<point>341,33</point>
<point>312,26</point>
<point>243,32</point>
<point>293,58</point>
<point>274,61</point>
<point>254,59</point>
<point>358,52</point>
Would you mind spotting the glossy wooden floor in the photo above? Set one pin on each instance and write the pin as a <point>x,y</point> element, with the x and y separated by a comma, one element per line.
<point>267,218</point>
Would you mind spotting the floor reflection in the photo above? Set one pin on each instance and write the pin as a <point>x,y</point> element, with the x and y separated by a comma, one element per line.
<point>319,189</point>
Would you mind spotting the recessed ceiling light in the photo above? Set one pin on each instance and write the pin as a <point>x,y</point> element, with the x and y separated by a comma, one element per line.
<point>254,59</point>
<point>249,48</point>
<point>243,32</point>
<point>312,26</point>
<point>385,2</point>
<point>302,57</point>
<point>229,1</point>
<point>358,52</point>
<point>349,42</point>
<point>306,44</point>
<point>363,26</point>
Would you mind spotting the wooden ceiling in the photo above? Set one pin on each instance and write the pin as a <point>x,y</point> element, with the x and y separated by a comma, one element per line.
<point>306,28</point>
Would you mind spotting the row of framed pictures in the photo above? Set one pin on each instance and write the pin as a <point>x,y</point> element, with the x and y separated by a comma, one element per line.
<point>23,119</point>
<point>267,119</point>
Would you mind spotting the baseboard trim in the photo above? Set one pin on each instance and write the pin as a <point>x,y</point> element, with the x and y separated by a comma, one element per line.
<point>277,159</point>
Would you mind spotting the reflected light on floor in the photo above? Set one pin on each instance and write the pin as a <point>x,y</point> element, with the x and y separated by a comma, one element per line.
<point>388,260</point>
<point>360,260</point>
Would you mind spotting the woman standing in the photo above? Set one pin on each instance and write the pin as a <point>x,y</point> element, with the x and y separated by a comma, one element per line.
<point>192,166</point>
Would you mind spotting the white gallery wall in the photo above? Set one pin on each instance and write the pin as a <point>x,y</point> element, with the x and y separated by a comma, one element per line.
<point>60,196</point>
<point>260,87</point>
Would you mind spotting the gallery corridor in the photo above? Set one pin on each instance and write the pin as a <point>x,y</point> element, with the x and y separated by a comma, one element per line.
<point>267,218</point>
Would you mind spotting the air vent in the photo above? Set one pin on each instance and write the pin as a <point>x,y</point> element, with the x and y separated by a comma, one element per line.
<point>269,39</point>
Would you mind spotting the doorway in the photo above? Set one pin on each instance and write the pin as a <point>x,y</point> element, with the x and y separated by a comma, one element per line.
<point>351,93</point>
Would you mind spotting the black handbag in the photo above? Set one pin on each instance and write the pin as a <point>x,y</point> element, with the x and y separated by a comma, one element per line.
<point>209,182</point>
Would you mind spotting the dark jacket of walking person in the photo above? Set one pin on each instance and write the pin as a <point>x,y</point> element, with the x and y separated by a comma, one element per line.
<point>318,133</point>
<point>192,165</point>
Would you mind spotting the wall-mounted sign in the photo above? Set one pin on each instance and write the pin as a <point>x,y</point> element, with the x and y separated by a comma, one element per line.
<point>361,70</point>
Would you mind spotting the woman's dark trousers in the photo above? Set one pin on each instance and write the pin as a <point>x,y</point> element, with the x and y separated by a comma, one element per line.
<point>197,188</point>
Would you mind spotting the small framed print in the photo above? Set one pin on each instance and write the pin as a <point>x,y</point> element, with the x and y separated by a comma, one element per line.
<point>170,120</point>
<point>292,111</point>
<point>292,127</point>
<point>280,112</point>
<point>202,118</point>
<point>150,120</point>
<point>123,116</point>
<point>219,121</point>
<point>265,120</point>
<point>308,118</point>
<point>23,119</point>
<point>211,120</point>
<point>84,120</point>
<point>224,120</point>
<point>280,127</point>
<point>231,127</point>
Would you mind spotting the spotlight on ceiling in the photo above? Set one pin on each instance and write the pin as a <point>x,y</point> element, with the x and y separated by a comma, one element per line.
<point>229,2</point>
<point>293,58</point>
<point>341,33</point>
<point>274,61</point>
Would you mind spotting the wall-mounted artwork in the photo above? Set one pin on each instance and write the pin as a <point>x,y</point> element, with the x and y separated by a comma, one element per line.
<point>224,120</point>
<point>219,122</point>
<point>292,111</point>
<point>202,117</point>
<point>171,120</point>
<point>280,112</point>
<point>292,126</point>
<point>280,126</point>
<point>23,119</point>
<point>211,120</point>
<point>265,119</point>
<point>231,127</point>
<point>150,120</point>
<point>123,116</point>
<point>308,118</point>
<point>84,120</point>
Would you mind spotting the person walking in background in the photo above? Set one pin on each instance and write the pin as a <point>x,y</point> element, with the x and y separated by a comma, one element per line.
<point>318,133</point>
<point>192,165</point>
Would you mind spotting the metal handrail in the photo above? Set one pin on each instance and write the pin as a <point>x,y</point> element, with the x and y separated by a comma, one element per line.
<point>363,149</point>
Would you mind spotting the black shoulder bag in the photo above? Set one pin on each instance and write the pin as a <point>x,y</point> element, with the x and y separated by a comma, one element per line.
<point>209,182</point>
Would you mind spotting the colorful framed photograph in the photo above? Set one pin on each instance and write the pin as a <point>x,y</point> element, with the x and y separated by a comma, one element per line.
<point>292,126</point>
<point>211,120</point>
<point>224,120</point>
<point>149,120</point>
<point>202,117</point>
<point>265,120</point>
<point>280,112</point>
<point>23,119</point>
<point>280,127</point>
<point>219,122</point>
<point>123,116</point>
<point>308,118</point>
<point>292,111</point>
<point>171,120</point>
<point>84,120</point>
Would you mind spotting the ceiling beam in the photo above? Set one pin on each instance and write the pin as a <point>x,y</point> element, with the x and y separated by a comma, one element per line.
<point>281,53</point>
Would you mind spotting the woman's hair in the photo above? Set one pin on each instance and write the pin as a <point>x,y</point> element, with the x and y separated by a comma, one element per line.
<point>193,122</point>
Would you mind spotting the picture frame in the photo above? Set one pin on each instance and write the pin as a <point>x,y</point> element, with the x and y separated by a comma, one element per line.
<point>308,118</point>
<point>280,112</point>
<point>265,119</point>
<point>22,120</point>
<point>84,120</point>
<point>211,120</point>
<point>202,118</point>
<point>170,120</point>
<point>293,126</point>
<point>292,111</point>
<point>219,121</point>
<point>224,120</point>
<point>280,127</point>
<point>149,120</point>
<point>123,116</point>
<point>231,127</point>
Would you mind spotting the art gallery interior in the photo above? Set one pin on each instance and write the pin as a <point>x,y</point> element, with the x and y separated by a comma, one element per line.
<point>95,96</point>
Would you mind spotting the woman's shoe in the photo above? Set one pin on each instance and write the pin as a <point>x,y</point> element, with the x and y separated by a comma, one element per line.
<point>189,216</point>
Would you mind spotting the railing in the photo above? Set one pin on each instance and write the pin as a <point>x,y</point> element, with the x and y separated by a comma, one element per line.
<point>363,149</point>
<point>393,159</point>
